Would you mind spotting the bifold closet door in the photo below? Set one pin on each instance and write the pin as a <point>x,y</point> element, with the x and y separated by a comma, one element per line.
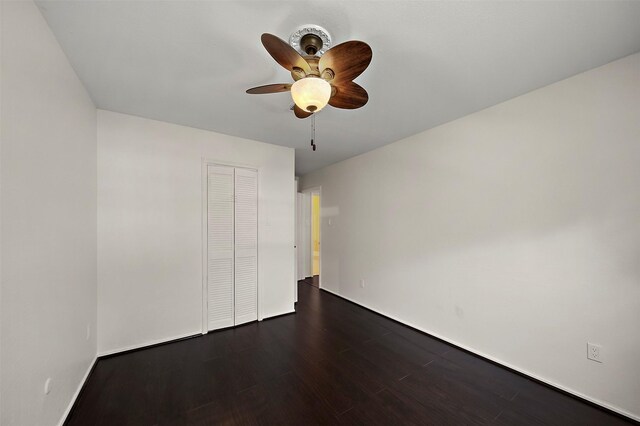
<point>246,245</point>
<point>220,247</point>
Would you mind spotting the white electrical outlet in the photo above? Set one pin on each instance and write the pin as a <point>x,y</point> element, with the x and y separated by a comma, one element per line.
<point>594,352</point>
<point>361,283</point>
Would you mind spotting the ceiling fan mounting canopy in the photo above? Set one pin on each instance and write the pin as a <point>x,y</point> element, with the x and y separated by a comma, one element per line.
<point>320,77</point>
<point>311,44</point>
<point>310,35</point>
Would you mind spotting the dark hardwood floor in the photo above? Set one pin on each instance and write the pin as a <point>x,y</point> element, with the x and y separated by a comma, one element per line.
<point>312,281</point>
<point>330,363</point>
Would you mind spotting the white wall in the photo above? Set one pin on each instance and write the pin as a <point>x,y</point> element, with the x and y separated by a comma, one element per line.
<point>48,187</point>
<point>150,227</point>
<point>513,232</point>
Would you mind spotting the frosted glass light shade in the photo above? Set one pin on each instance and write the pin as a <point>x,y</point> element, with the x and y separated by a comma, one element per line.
<point>311,93</point>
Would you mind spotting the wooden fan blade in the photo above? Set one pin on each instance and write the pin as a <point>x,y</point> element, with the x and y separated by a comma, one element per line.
<point>284,54</point>
<point>300,113</point>
<point>349,96</point>
<point>347,60</point>
<point>269,88</point>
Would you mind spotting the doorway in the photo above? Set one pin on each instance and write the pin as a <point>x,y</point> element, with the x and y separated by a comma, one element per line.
<point>315,237</point>
<point>310,257</point>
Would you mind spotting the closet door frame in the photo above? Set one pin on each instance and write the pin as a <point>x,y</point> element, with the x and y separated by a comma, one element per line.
<point>206,162</point>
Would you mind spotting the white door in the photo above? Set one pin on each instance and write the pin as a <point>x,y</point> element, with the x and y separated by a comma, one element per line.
<point>246,246</point>
<point>232,246</point>
<point>220,247</point>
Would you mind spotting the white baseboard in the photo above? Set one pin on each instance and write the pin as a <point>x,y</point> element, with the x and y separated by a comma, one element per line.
<point>293,311</point>
<point>498,361</point>
<point>77,392</point>
<point>149,343</point>
<point>168,339</point>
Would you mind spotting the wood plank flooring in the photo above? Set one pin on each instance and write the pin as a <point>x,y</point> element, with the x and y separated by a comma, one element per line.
<point>312,281</point>
<point>330,363</point>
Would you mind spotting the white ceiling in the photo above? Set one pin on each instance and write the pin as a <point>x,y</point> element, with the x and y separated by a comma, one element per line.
<point>190,62</point>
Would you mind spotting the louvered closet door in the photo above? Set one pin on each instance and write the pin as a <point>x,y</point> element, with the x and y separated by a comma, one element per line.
<point>246,247</point>
<point>220,247</point>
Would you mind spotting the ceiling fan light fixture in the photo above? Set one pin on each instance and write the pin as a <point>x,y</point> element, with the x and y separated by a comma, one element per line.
<point>311,93</point>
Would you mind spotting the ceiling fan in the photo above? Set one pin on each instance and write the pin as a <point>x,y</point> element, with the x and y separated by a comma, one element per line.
<point>320,77</point>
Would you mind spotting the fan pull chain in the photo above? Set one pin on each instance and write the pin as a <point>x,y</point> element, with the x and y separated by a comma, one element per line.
<point>313,131</point>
